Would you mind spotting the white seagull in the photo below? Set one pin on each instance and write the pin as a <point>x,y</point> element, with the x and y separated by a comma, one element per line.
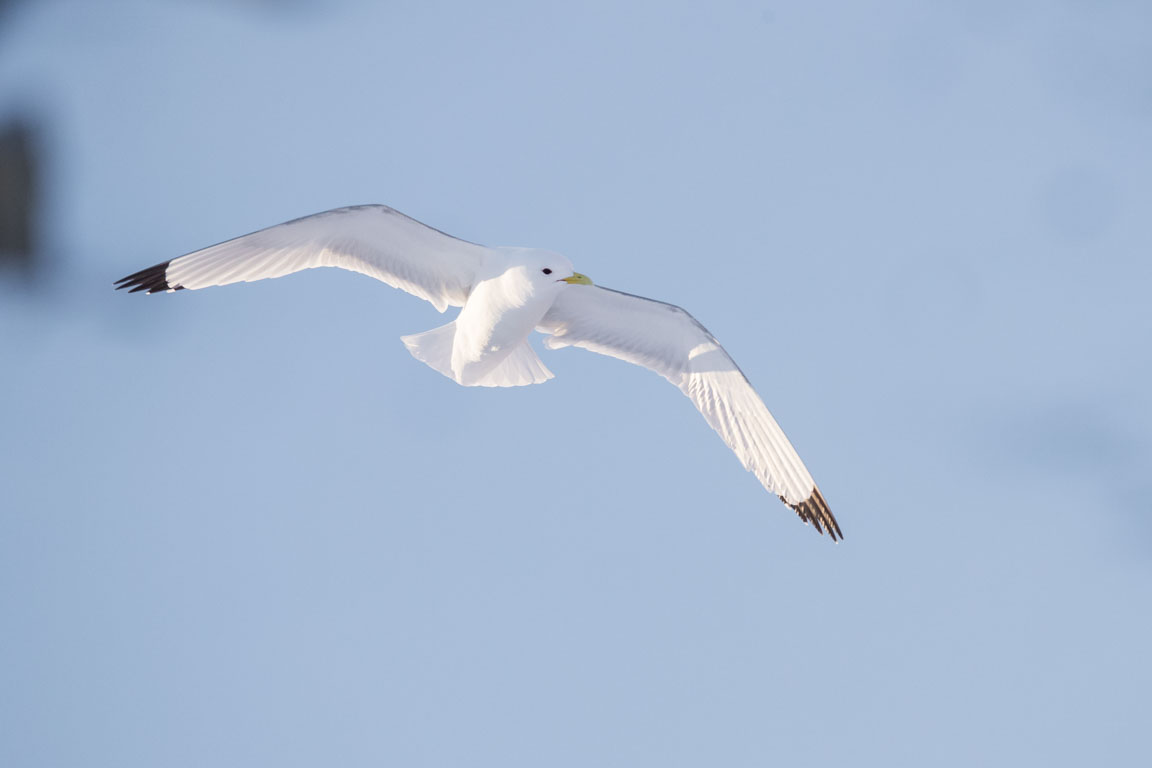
<point>505,293</point>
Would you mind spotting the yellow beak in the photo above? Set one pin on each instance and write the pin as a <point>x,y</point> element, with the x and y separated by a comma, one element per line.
<point>578,279</point>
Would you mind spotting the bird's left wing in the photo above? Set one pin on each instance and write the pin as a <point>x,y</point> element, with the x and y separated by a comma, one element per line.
<point>374,240</point>
<point>668,340</point>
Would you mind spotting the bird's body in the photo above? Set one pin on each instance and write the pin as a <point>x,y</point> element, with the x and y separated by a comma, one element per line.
<point>511,296</point>
<point>505,294</point>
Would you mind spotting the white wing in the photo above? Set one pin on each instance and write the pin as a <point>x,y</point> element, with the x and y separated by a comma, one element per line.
<point>668,340</point>
<point>374,240</point>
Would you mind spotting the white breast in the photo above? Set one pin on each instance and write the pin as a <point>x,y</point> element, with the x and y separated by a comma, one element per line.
<point>497,318</point>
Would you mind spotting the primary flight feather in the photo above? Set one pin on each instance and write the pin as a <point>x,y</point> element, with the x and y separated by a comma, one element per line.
<point>504,294</point>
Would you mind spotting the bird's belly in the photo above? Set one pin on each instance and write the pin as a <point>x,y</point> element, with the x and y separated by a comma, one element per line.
<point>487,331</point>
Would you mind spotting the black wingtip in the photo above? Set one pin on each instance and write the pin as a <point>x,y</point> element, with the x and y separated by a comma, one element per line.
<point>152,280</point>
<point>815,510</point>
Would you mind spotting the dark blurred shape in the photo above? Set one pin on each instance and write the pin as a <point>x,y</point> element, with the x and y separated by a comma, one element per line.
<point>6,6</point>
<point>19,182</point>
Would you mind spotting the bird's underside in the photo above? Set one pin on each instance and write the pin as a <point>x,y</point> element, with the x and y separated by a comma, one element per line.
<point>504,294</point>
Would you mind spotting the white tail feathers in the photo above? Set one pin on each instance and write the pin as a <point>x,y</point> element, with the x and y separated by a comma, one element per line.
<point>434,348</point>
<point>520,368</point>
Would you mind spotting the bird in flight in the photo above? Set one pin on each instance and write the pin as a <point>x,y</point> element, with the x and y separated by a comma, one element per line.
<point>505,293</point>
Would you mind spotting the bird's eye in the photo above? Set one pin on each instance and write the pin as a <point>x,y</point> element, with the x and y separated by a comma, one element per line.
<point>547,271</point>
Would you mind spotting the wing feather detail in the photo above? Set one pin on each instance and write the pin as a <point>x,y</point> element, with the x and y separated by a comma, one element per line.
<point>374,240</point>
<point>666,339</point>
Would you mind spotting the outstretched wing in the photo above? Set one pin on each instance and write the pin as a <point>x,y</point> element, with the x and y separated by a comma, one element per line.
<point>668,340</point>
<point>374,240</point>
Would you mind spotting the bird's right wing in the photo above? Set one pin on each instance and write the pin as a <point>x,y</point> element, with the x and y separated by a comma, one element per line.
<point>374,240</point>
<point>669,341</point>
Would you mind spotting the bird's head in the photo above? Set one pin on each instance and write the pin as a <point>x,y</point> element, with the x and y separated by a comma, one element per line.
<point>552,267</point>
<point>546,271</point>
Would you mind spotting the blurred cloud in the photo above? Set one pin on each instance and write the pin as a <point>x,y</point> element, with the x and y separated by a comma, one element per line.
<point>1080,204</point>
<point>1077,439</point>
<point>1087,451</point>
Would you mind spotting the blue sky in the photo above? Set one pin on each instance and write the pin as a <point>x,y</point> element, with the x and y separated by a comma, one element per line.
<point>242,526</point>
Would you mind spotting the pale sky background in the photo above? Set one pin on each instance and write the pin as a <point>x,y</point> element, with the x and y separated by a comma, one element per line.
<point>242,526</point>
